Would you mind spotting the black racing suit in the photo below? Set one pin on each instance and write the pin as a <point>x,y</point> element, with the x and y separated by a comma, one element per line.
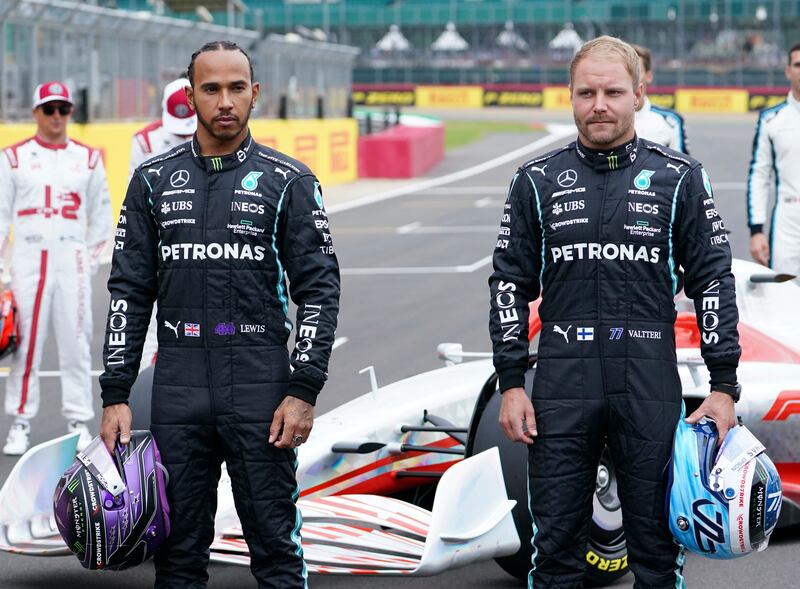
<point>210,239</point>
<point>603,236</point>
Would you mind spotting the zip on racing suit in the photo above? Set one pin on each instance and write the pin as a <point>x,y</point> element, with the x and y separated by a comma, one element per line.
<point>776,149</point>
<point>211,238</point>
<point>603,236</point>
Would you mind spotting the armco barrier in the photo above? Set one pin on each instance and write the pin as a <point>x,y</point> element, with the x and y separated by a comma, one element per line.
<point>400,152</point>
<point>716,100</point>
<point>327,146</point>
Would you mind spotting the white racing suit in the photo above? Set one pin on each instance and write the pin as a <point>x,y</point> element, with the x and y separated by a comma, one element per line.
<point>661,125</point>
<point>56,198</point>
<point>776,154</point>
<point>147,143</point>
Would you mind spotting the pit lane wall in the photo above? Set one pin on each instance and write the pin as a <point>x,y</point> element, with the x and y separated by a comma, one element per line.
<point>327,146</point>
<point>684,100</point>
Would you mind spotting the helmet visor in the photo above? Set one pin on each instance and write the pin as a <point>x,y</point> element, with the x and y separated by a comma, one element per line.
<point>100,463</point>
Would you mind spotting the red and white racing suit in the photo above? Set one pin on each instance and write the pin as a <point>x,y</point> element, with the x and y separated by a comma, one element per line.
<point>774,167</point>
<point>56,198</point>
<point>151,141</point>
<point>147,143</point>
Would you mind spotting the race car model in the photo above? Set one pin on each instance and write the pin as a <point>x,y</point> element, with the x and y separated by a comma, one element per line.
<point>372,464</point>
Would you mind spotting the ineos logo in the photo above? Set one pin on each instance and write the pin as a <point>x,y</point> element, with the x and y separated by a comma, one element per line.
<point>567,178</point>
<point>179,179</point>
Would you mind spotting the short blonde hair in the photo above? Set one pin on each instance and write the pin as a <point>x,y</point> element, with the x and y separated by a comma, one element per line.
<point>606,47</point>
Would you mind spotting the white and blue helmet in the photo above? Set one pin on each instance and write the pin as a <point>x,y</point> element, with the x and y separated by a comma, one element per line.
<point>726,503</point>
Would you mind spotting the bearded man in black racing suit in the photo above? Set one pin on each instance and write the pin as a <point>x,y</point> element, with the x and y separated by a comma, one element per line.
<point>602,227</point>
<point>209,229</point>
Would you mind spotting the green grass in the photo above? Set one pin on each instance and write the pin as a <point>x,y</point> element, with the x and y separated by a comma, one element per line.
<point>460,133</point>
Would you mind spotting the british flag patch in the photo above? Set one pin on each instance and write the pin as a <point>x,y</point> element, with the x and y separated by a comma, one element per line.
<point>191,329</point>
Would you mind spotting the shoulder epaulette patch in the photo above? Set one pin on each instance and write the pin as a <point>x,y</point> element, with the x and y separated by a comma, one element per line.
<point>546,156</point>
<point>673,156</point>
<point>164,157</point>
<point>279,161</point>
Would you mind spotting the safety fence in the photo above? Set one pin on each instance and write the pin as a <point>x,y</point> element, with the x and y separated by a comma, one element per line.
<point>117,62</point>
<point>557,97</point>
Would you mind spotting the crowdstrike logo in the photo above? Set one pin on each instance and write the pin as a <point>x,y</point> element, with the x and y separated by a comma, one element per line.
<point>605,251</point>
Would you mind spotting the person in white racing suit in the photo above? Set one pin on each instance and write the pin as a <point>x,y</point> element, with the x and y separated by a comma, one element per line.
<point>177,124</point>
<point>776,153</point>
<point>53,191</point>
<point>662,125</point>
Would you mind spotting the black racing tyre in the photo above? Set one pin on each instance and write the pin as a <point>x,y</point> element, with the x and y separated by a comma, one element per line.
<point>606,554</point>
<point>139,399</point>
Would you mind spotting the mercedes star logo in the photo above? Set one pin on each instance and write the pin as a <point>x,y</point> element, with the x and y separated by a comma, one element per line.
<point>567,178</point>
<point>180,178</point>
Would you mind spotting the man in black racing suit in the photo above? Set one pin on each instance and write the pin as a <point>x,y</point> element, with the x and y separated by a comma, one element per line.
<point>209,229</point>
<point>602,227</point>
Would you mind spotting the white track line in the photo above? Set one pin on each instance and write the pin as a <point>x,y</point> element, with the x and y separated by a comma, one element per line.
<point>462,269</point>
<point>466,190</point>
<point>556,133</point>
<point>450,229</point>
<point>409,228</point>
<point>339,341</point>
<point>45,373</point>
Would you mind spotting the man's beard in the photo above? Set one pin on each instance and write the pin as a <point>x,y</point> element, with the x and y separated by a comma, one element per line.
<point>227,134</point>
<point>609,137</point>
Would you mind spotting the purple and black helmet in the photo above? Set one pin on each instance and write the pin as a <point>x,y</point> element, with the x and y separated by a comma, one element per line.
<point>112,510</point>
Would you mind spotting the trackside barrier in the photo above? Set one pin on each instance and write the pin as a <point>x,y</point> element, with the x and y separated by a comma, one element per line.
<point>400,152</point>
<point>706,100</point>
<point>327,146</point>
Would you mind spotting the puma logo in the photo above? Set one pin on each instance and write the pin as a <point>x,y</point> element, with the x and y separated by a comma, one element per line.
<point>157,171</point>
<point>538,169</point>
<point>557,329</point>
<point>175,327</point>
<point>676,168</point>
<point>284,172</point>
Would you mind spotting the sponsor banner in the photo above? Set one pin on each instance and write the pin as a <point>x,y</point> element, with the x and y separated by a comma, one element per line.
<point>528,98</point>
<point>556,97</point>
<point>662,99</point>
<point>761,98</point>
<point>327,146</point>
<point>449,96</point>
<point>384,97</point>
<point>711,100</point>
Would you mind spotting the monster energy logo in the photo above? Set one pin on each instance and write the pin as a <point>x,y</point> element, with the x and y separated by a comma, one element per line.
<point>73,485</point>
<point>216,164</point>
<point>78,546</point>
<point>613,162</point>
